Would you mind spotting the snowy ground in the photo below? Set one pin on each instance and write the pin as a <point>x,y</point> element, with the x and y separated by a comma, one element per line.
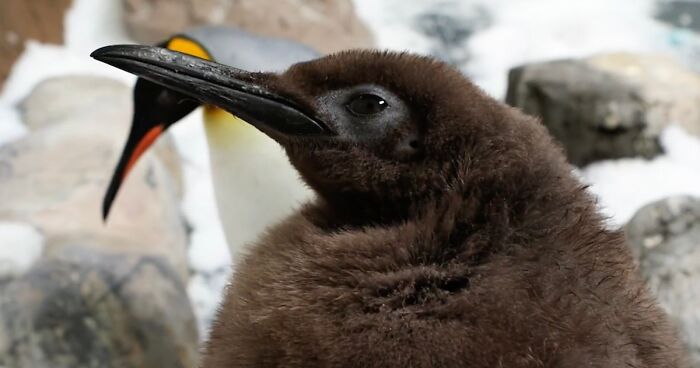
<point>516,32</point>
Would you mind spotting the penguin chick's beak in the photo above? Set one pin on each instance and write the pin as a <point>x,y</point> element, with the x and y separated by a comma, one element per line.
<point>237,91</point>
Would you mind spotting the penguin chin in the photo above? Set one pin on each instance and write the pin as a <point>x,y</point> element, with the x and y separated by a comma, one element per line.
<point>348,173</point>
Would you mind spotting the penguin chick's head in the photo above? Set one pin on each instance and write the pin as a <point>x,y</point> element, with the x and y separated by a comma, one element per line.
<point>364,128</point>
<point>405,127</point>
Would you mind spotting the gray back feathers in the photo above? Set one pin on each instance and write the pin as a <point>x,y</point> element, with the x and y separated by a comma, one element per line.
<point>238,48</point>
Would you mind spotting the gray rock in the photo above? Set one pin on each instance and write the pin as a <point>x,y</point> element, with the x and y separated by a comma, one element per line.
<point>325,25</point>
<point>88,308</point>
<point>63,99</point>
<point>665,236</point>
<point>55,179</point>
<point>449,25</point>
<point>608,106</point>
<point>680,13</point>
<point>100,102</point>
<point>101,294</point>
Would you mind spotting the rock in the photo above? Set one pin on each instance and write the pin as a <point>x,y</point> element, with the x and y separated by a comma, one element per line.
<point>665,236</point>
<point>608,106</point>
<point>55,178</point>
<point>101,294</point>
<point>449,25</point>
<point>22,20</point>
<point>680,13</point>
<point>326,25</point>
<point>49,104</point>
<point>102,100</point>
<point>88,308</point>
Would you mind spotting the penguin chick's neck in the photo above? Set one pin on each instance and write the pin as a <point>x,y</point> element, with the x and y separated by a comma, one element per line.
<point>503,189</point>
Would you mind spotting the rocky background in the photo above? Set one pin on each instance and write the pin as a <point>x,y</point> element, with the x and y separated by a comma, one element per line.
<point>141,291</point>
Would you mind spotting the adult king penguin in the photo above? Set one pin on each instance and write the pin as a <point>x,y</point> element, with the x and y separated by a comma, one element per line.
<point>448,231</point>
<point>271,188</point>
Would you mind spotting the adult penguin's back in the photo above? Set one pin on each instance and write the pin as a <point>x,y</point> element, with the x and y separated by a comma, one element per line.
<point>239,48</point>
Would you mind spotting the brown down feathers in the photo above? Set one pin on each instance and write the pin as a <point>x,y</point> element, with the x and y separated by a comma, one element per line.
<point>484,251</point>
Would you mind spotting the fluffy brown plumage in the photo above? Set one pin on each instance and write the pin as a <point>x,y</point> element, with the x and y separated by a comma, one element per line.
<point>475,247</point>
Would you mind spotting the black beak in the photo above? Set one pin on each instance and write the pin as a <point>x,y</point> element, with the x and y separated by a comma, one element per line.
<point>242,93</point>
<point>140,138</point>
<point>239,92</point>
<point>155,110</point>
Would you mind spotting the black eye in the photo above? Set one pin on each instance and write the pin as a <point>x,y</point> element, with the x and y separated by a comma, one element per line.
<point>367,104</point>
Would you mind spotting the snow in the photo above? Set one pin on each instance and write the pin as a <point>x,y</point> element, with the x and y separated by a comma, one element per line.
<point>91,24</point>
<point>623,186</point>
<point>11,127</point>
<point>40,61</point>
<point>208,253</point>
<point>21,246</point>
<point>206,293</point>
<point>519,31</point>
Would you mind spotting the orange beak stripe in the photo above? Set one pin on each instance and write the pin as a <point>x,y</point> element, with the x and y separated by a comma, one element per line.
<point>143,145</point>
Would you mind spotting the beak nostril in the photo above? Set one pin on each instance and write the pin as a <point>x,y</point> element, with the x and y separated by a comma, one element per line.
<point>408,148</point>
<point>187,100</point>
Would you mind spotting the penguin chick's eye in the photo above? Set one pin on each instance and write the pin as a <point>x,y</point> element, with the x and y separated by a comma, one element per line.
<point>367,104</point>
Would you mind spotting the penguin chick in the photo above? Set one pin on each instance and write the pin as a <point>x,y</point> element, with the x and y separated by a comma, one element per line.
<point>448,229</point>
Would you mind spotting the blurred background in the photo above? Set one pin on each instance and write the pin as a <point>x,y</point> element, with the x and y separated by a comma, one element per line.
<point>615,81</point>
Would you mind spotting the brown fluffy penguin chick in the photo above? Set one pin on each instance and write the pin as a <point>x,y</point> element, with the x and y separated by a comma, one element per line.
<point>449,232</point>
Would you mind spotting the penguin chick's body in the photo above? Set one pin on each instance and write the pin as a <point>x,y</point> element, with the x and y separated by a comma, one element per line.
<point>449,231</point>
<point>509,266</point>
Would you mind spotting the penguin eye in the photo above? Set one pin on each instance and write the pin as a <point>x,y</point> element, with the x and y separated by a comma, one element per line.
<point>367,104</point>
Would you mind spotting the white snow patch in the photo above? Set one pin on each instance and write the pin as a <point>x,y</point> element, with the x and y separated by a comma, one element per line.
<point>11,127</point>
<point>624,186</point>
<point>22,245</point>
<point>41,61</point>
<point>206,294</point>
<point>90,24</point>
<point>208,253</point>
<point>681,147</point>
<point>208,250</point>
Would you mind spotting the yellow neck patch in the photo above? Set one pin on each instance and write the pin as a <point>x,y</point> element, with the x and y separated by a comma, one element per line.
<point>189,47</point>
